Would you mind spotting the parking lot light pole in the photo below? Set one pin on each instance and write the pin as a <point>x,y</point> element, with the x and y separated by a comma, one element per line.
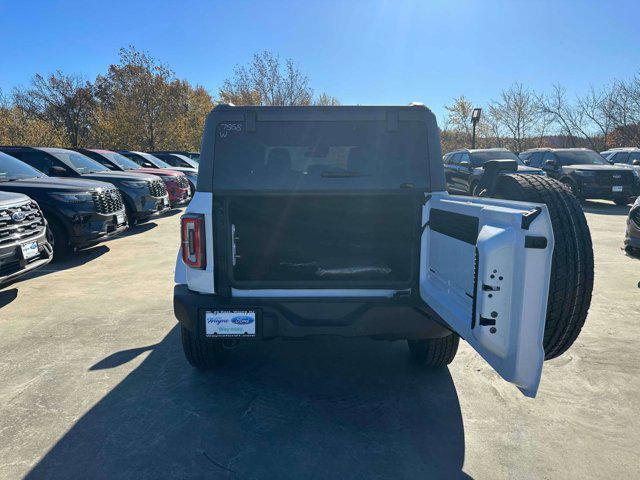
<point>475,118</point>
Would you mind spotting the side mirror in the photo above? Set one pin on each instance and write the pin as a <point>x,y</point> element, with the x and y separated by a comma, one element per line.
<point>465,164</point>
<point>636,162</point>
<point>550,164</point>
<point>57,171</point>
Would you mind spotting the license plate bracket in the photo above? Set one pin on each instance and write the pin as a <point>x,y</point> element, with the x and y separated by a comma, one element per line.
<point>29,250</point>
<point>227,323</point>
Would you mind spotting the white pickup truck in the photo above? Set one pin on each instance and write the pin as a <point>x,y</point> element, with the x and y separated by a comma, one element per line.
<point>335,221</point>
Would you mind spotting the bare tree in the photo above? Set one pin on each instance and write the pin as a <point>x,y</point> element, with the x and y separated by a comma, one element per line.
<point>517,113</point>
<point>267,81</point>
<point>66,101</point>
<point>325,99</point>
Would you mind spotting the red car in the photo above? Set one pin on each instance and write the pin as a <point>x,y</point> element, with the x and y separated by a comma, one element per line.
<point>176,182</point>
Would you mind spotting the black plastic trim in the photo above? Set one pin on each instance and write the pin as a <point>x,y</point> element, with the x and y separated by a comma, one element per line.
<point>455,225</point>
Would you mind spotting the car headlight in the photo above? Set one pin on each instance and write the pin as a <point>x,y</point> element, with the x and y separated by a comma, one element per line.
<point>84,197</point>
<point>134,183</point>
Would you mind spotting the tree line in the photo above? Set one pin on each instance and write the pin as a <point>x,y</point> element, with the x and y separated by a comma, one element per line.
<point>140,104</point>
<point>521,118</point>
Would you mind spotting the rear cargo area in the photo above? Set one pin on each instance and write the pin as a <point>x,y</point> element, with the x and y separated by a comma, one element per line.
<point>307,241</point>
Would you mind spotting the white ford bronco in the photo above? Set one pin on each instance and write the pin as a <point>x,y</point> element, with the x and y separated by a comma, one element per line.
<point>315,221</point>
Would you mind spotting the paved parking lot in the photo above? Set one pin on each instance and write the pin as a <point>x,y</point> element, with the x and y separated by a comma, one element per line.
<point>94,385</point>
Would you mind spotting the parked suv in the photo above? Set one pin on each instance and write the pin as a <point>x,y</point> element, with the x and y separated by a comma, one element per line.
<point>632,239</point>
<point>463,169</point>
<point>628,158</point>
<point>151,161</point>
<point>335,221</point>
<point>195,156</point>
<point>23,236</point>
<point>144,195</point>
<point>586,172</point>
<point>176,159</point>
<point>79,212</point>
<point>175,182</point>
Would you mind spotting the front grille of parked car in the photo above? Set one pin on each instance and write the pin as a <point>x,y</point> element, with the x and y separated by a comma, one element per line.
<point>608,179</point>
<point>107,201</point>
<point>20,223</point>
<point>634,215</point>
<point>157,188</point>
<point>183,182</point>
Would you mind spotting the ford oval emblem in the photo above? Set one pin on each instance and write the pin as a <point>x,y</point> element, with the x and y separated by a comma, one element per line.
<point>18,216</point>
<point>242,320</point>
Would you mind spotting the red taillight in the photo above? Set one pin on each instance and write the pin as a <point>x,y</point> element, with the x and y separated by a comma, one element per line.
<point>193,241</point>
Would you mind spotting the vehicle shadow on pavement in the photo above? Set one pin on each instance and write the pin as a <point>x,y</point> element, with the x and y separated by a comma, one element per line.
<point>602,208</point>
<point>71,261</point>
<point>309,409</point>
<point>8,296</point>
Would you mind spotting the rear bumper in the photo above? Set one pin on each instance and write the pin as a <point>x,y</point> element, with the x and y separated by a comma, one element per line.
<point>296,318</point>
<point>12,265</point>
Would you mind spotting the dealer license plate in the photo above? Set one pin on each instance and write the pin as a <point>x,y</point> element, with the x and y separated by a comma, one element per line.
<point>29,250</point>
<point>616,189</point>
<point>121,218</point>
<point>230,323</point>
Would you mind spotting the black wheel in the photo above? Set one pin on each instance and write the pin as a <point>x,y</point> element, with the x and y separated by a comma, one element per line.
<point>572,266</point>
<point>58,239</point>
<point>621,201</point>
<point>473,189</point>
<point>202,354</point>
<point>434,352</point>
<point>574,189</point>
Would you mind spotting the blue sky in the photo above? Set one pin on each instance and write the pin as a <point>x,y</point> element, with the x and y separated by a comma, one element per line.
<point>373,52</point>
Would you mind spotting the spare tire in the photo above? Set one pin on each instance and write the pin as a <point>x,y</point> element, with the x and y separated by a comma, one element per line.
<point>572,266</point>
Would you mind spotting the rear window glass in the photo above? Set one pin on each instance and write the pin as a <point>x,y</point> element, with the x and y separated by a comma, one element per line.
<point>320,155</point>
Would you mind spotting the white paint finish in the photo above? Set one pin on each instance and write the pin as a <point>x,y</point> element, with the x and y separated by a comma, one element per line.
<point>515,350</point>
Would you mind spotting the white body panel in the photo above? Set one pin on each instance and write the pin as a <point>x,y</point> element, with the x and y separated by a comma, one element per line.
<point>518,277</point>
<point>199,280</point>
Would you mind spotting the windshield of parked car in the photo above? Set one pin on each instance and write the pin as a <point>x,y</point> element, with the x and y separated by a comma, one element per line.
<point>78,162</point>
<point>154,160</point>
<point>120,160</point>
<point>479,158</point>
<point>321,154</point>
<point>13,169</point>
<point>580,157</point>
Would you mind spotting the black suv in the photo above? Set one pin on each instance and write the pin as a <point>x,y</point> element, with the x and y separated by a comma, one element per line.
<point>80,213</point>
<point>464,170</point>
<point>144,195</point>
<point>586,172</point>
<point>23,237</point>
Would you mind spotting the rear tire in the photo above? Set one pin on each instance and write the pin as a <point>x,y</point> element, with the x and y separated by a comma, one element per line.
<point>572,267</point>
<point>434,352</point>
<point>474,189</point>
<point>202,354</point>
